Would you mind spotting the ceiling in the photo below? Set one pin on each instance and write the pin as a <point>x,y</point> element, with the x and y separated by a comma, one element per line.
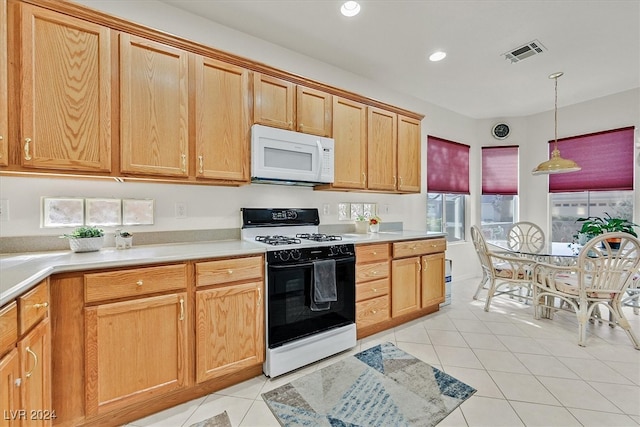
<point>595,43</point>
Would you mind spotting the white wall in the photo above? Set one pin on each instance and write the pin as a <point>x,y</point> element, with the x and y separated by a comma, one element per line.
<point>218,207</point>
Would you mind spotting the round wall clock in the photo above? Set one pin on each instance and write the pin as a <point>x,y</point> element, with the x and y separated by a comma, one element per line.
<point>500,131</point>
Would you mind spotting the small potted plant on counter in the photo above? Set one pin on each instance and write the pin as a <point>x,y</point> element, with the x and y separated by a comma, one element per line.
<point>374,224</point>
<point>362,224</point>
<point>594,225</point>
<point>124,239</point>
<point>85,239</point>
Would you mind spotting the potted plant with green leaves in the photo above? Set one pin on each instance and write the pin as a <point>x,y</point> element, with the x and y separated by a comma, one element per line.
<point>362,224</point>
<point>124,239</point>
<point>595,225</point>
<point>85,239</point>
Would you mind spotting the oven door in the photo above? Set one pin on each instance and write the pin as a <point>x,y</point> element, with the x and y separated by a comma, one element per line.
<point>289,316</point>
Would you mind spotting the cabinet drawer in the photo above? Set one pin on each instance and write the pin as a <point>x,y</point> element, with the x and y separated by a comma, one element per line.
<point>373,271</point>
<point>229,270</point>
<point>419,247</point>
<point>372,289</point>
<point>33,306</point>
<point>369,253</point>
<point>8,327</point>
<point>372,311</point>
<point>135,282</point>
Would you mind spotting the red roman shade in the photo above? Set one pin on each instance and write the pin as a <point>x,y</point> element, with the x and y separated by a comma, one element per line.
<point>500,170</point>
<point>606,159</point>
<point>447,166</point>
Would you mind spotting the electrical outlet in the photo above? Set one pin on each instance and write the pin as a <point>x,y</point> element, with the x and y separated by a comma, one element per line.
<point>325,209</point>
<point>385,209</point>
<point>181,210</point>
<point>4,210</point>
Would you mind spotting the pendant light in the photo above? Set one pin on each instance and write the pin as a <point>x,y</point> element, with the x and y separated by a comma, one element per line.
<point>556,164</point>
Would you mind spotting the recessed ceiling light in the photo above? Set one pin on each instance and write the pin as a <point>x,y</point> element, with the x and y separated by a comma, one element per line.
<point>350,8</point>
<point>437,56</point>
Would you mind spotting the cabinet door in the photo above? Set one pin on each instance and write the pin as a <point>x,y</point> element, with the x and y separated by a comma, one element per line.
<point>350,135</point>
<point>222,120</point>
<point>405,286</point>
<point>135,350</point>
<point>35,371</point>
<point>381,150</point>
<point>153,108</point>
<point>229,329</point>
<point>66,92</point>
<point>10,389</point>
<point>433,286</point>
<point>408,154</point>
<point>313,111</point>
<point>4,106</point>
<point>273,103</point>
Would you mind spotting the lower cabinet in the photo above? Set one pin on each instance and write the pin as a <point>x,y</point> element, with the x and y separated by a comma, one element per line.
<point>405,286</point>
<point>372,284</point>
<point>229,316</point>
<point>25,365</point>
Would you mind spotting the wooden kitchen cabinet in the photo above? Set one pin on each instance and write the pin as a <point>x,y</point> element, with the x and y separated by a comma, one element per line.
<point>405,286</point>
<point>154,108</point>
<point>350,135</point>
<point>282,104</point>
<point>372,285</point>
<point>25,370</point>
<point>381,149</point>
<point>408,155</point>
<point>4,88</point>
<point>222,120</point>
<point>135,349</point>
<point>433,284</point>
<point>229,316</point>
<point>65,92</point>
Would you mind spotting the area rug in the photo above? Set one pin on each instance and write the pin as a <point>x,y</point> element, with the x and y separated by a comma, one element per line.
<point>220,420</point>
<point>380,386</point>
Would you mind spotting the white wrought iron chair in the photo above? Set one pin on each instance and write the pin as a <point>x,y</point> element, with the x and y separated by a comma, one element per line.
<point>525,236</point>
<point>601,276</point>
<point>503,273</point>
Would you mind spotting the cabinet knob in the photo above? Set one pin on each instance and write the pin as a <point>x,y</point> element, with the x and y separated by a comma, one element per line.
<point>374,273</point>
<point>27,149</point>
<point>375,253</point>
<point>374,290</point>
<point>41,305</point>
<point>229,271</point>
<point>374,311</point>
<point>139,283</point>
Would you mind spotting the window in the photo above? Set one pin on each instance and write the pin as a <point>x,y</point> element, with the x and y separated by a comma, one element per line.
<point>598,188</point>
<point>447,186</point>
<point>499,190</point>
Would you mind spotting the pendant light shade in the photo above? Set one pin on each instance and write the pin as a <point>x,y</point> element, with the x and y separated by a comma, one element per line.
<point>556,164</point>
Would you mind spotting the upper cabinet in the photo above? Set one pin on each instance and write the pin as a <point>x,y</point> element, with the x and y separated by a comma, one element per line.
<point>222,120</point>
<point>350,135</point>
<point>381,151</point>
<point>4,102</point>
<point>154,101</point>
<point>282,104</point>
<point>65,94</point>
<point>408,154</point>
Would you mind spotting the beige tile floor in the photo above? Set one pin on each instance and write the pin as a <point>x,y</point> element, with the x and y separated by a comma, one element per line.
<point>527,372</point>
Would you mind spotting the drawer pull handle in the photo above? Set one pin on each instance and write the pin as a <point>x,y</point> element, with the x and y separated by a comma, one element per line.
<point>425,265</point>
<point>41,305</point>
<point>259,297</point>
<point>419,265</point>
<point>201,163</point>
<point>230,271</point>
<point>139,283</point>
<point>181,309</point>
<point>35,361</point>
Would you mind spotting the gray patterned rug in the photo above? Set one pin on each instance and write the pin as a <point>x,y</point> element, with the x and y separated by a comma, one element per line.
<point>381,386</point>
<point>220,420</point>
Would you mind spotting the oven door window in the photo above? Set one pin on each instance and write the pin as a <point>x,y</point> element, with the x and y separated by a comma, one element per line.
<point>289,316</point>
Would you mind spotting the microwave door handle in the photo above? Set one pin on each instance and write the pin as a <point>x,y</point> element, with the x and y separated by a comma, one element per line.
<point>319,158</point>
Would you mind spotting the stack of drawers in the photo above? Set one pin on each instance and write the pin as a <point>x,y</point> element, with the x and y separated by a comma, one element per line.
<point>372,284</point>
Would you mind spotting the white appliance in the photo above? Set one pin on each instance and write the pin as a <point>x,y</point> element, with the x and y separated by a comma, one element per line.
<point>281,156</point>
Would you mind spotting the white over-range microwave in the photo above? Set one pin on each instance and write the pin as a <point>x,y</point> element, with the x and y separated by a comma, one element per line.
<point>281,156</point>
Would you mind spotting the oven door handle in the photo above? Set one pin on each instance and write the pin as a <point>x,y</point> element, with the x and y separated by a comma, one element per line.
<point>310,264</point>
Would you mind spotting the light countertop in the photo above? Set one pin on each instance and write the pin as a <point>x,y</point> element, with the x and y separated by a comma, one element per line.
<point>20,272</point>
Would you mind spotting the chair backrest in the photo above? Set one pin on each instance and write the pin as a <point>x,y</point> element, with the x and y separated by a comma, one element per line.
<point>480,244</point>
<point>525,236</point>
<point>606,270</point>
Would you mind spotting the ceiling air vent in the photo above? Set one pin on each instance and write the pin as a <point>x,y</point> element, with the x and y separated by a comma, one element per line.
<point>525,51</point>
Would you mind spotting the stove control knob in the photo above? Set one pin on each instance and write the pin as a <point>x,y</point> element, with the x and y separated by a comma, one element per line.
<point>295,254</point>
<point>344,250</point>
<point>283,255</point>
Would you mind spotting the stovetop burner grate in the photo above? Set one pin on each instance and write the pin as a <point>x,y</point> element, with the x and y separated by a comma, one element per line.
<point>278,240</point>
<point>319,237</point>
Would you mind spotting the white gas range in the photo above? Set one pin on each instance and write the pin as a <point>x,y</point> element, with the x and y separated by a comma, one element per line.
<point>300,330</point>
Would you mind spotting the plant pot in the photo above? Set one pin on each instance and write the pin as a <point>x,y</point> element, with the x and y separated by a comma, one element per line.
<point>86,244</point>
<point>583,238</point>
<point>362,227</point>
<point>613,243</point>
<point>124,242</point>
<point>374,228</point>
